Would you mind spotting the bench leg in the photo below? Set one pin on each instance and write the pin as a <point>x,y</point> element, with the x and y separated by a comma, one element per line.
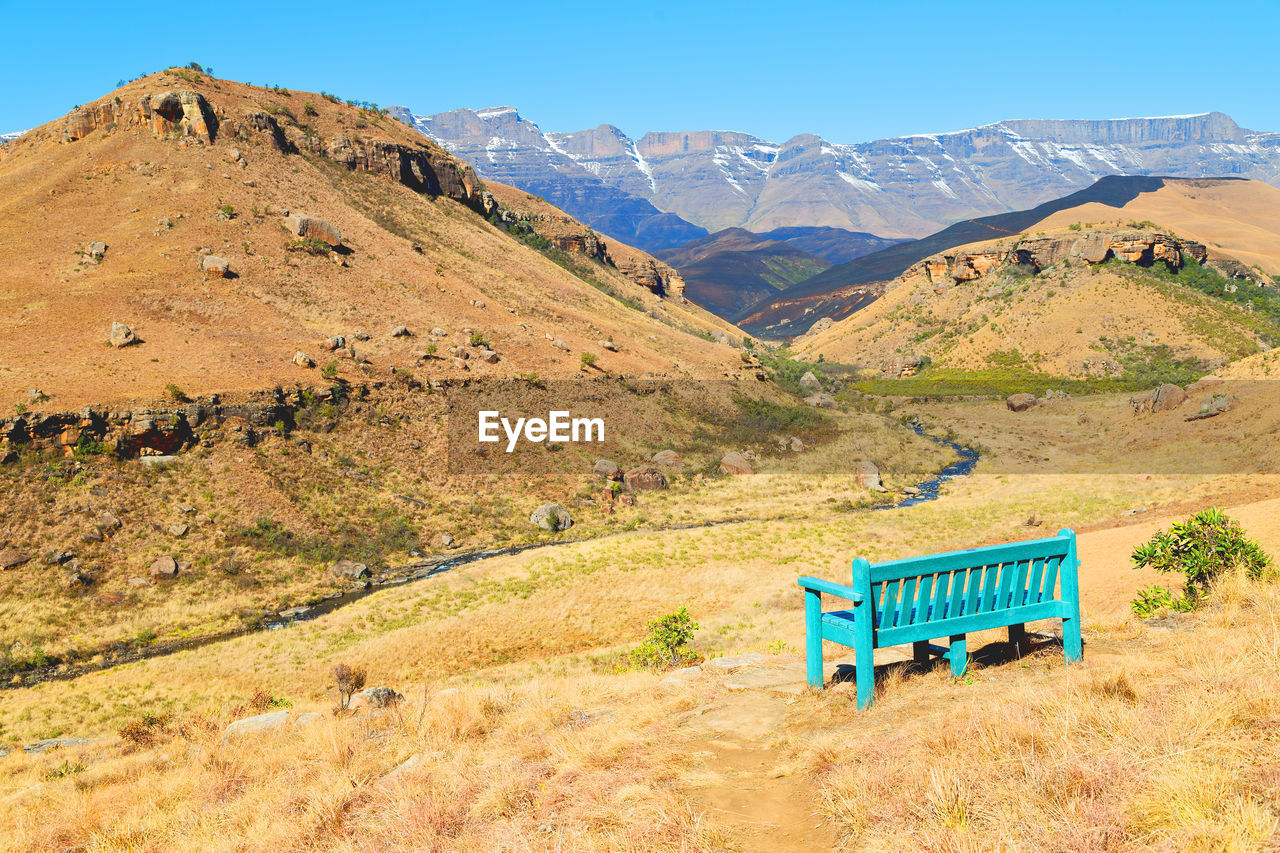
<point>958,655</point>
<point>813,637</point>
<point>1072,642</point>
<point>1018,637</point>
<point>920,651</point>
<point>864,656</point>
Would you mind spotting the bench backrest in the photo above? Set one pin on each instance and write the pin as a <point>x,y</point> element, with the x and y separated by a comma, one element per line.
<point>917,590</point>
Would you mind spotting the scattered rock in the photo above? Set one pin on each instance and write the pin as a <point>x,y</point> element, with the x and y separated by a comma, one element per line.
<point>810,382</point>
<point>76,579</point>
<point>489,356</point>
<point>377,697</point>
<point>1212,407</point>
<point>559,344</point>
<point>48,744</point>
<point>678,678</point>
<point>460,363</point>
<point>350,569</point>
<point>1082,419</point>
<point>107,521</point>
<point>822,400</point>
<point>609,345</point>
<point>439,332</point>
<point>1021,402</point>
<point>645,478</point>
<point>123,336</point>
<point>179,530</point>
<point>11,558</point>
<point>552,517</point>
<point>796,445</point>
<point>400,332</point>
<point>336,342</point>
<point>607,469</point>
<point>735,662</point>
<point>911,491</point>
<point>667,459</point>
<point>1167,398</point>
<point>57,558</point>
<point>137,581</point>
<point>868,476</point>
<point>301,359</point>
<point>625,499</point>
<point>164,568</point>
<point>95,251</point>
<point>735,465</point>
<point>314,228</point>
<point>306,719</point>
<point>256,725</point>
<point>214,266</point>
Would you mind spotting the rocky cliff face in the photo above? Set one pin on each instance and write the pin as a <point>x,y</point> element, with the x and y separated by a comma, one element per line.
<point>904,187</point>
<point>1142,248</point>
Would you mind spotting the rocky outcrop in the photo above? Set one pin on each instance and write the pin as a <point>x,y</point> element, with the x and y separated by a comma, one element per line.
<point>1142,248</point>
<point>655,275</point>
<point>183,114</point>
<point>588,244</point>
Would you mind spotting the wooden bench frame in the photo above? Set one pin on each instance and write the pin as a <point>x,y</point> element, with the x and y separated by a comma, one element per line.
<point>918,599</point>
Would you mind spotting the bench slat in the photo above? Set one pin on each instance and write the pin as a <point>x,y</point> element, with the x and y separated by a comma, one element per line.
<point>941,589</point>
<point>889,612</point>
<point>1004,594</point>
<point>906,603</point>
<point>966,624</point>
<point>1036,585</point>
<point>924,599</point>
<point>968,559</point>
<point>1049,591</point>
<point>956,599</point>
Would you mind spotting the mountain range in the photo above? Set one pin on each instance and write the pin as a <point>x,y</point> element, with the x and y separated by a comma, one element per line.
<point>665,189</point>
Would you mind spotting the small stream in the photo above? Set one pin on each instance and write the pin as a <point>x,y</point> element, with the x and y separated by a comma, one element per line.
<point>962,467</point>
<point>432,566</point>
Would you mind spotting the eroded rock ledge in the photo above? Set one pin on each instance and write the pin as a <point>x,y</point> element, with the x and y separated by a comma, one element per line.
<point>1142,248</point>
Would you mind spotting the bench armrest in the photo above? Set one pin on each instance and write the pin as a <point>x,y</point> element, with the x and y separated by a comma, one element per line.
<point>819,585</point>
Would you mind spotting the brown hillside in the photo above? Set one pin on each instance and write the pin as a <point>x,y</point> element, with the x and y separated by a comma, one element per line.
<point>148,176</point>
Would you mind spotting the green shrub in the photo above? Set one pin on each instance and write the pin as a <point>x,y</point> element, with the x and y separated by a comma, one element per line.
<point>330,370</point>
<point>146,730</point>
<point>667,645</point>
<point>178,395</point>
<point>477,340</point>
<point>227,211</point>
<point>1201,548</point>
<point>310,245</point>
<point>588,360</point>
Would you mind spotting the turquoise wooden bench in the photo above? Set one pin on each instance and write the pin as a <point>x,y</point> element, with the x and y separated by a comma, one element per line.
<point>945,595</point>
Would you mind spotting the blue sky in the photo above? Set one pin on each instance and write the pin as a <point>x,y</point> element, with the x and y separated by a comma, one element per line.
<point>847,71</point>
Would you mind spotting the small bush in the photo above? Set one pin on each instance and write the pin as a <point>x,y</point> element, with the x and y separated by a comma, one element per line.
<point>1202,548</point>
<point>350,680</point>
<point>146,730</point>
<point>330,370</point>
<point>178,395</point>
<point>310,245</point>
<point>309,109</point>
<point>588,360</point>
<point>227,211</point>
<point>667,645</point>
<point>477,340</point>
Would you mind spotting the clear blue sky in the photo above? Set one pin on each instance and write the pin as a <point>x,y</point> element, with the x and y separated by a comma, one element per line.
<point>847,71</point>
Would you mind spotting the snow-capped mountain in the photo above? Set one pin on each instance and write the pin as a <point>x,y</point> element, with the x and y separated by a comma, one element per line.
<point>9,137</point>
<point>903,187</point>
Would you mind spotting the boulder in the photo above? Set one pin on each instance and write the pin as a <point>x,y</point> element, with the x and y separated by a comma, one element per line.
<point>868,476</point>
<point>337,342</point>
<point>1021,402</point>
<point>303,360</point>
<point>645,478</point>
<point>735,465</point>
<point>796,445</point>
<point>256,725</point>
<point>123,336</point>
<point>1212,407</point>
<point>11,558</point>
<point>609,345</point>
<point>377,697</point>
<point>400,332</point>
<point>107,521</point>
<point>1204,383</point>
<point>214,266</point>
<point>350,569</point>
<point>179,530</point>
<point>810,382</point>
<point>95,251</point>
<point>438,332</point>
<point>460,363</point>
<point>608,470</point>
<point>552,517</point>
<point>667,458</point>
<point>313,228</point>
<point>58,743</point>
<point>1167,398</point>
<point>164,568</point>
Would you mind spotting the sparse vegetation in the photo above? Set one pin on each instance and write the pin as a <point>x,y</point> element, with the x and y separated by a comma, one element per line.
<point>667,643</point>
<point>308,245</point>
<point>349,680</point>
<point>176,394</point>
<point>1203,548</point>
